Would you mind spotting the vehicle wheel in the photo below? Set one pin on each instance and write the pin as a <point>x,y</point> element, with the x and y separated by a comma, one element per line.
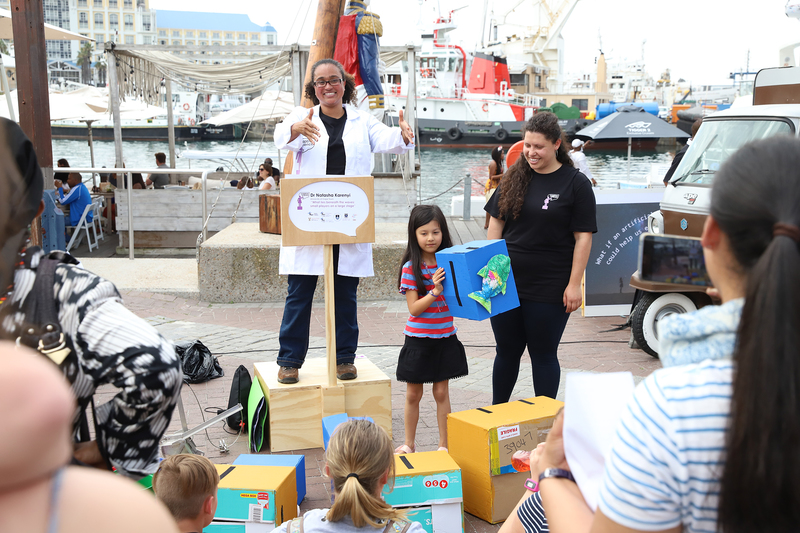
<point>454,133</point>
<point>647,313</point>
<point>501,135</point>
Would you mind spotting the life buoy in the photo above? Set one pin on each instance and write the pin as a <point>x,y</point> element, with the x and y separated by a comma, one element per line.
<point>426,72</point>
<point>454,133</point>
<point>186,107</point>
<point>501,135</point>
<point>485,108</point>
<point>191,122</point>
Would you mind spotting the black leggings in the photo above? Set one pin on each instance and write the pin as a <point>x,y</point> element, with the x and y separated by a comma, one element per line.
<point>538,326</point>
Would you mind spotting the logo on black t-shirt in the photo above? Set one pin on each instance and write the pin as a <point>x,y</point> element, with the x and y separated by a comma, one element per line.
<point>550,198</point>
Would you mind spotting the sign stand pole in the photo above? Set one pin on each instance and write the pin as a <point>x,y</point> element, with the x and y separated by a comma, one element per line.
<point>330,315</point>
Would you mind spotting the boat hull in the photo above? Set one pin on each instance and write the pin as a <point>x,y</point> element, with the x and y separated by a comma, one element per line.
<point>437,133</point>
<point>229,132</point>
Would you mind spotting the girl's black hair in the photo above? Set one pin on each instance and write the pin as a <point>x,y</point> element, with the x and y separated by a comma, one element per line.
<point>350,92</point>
<point>421,215</point>
<point>497,157</point>
<point>756,192</point>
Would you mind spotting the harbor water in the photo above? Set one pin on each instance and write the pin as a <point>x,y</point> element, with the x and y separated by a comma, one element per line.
<point>440,169</point>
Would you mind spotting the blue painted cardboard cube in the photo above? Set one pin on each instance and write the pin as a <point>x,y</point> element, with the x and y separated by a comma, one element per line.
<point>478,282</point>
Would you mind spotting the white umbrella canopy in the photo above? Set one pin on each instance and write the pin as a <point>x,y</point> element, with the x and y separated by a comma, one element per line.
<point>88,103</point>
<point>52,33</point>
<point>271,104</point>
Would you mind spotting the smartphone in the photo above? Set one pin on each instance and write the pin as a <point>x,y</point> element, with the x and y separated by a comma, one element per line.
<point>672,259</point>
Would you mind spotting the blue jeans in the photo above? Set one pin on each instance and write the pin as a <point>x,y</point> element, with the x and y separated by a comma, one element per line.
<point>296,323</point>
<point>537,326</point>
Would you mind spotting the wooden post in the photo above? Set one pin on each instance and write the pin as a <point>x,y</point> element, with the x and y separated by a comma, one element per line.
<point>170,126</point>
<point>113,95</point>
<point>330,315</point>
<point>27,20</point>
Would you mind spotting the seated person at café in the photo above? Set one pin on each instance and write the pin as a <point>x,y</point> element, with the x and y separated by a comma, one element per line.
<point>246,184</point>
<point>77,198</point>
<point>62,176</point>
<point>158,181</point>
<point>187,485</point>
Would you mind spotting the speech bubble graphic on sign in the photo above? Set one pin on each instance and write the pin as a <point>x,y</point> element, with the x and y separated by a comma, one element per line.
<point>329,206</point>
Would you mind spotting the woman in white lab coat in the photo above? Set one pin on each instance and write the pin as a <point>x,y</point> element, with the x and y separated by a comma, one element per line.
<point>332,138</point>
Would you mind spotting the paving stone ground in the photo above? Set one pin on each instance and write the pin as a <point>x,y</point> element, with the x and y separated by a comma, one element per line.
<point>248,333</point>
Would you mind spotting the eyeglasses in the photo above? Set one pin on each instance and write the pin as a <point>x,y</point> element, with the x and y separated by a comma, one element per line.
<point>262,169</point>
<point>322,83</point>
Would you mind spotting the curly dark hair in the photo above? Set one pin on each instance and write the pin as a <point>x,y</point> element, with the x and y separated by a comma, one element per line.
<point>515,183</point>
<point>350,92</point>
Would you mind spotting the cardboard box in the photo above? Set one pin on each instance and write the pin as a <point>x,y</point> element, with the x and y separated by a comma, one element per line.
<point>296,411</point>
<point>257,494</point>
<point>462,264</point>
<point>429,484</point>
<point>482,442</point>
<point>298,462</point>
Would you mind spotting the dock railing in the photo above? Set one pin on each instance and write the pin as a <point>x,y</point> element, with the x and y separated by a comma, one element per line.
<point>203,174</point>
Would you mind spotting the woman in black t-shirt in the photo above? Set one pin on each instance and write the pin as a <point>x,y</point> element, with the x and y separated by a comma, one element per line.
<point>545,210</point>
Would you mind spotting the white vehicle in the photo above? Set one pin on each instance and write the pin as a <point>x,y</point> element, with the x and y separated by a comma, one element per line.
<point>687,198</point>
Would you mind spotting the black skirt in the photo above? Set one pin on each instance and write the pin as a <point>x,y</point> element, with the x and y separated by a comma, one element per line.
<point>426,360</point>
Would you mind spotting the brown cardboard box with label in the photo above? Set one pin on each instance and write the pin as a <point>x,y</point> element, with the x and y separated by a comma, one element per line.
<point>482,442</point>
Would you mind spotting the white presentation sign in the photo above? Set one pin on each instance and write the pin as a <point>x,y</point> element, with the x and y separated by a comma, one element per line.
<point>329,206</point>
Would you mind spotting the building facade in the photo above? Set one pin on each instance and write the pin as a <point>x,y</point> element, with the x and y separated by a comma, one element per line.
<point>188,28</point>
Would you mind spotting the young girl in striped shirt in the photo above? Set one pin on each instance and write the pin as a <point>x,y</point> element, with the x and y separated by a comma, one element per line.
<point>431,353</point>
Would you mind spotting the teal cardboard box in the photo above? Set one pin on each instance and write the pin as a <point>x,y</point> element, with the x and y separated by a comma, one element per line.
<point>256,494</point>
<point>428,485</point>
<point>298,462</point>
<point>478,280</point>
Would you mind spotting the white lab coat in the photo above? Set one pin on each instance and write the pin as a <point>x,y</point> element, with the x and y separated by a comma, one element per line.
<point>363,135</point>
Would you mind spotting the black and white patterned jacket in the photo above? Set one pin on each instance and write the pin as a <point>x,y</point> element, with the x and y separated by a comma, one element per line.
<point>113,346</point>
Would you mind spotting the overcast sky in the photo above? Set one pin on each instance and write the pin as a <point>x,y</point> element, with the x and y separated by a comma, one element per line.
<point>701,41</point>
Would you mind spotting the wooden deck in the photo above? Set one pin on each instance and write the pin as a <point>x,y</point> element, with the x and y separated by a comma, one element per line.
<point>462,231</point>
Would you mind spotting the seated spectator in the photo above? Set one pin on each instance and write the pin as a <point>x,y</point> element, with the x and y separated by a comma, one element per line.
<point>713,445</point>
<point>61,176</point>
<point>38,491</point>
<point>105,185</point>
<point>234,183</point>
<point>187,484</point>
<point>359,461</point>
<point>139,183</point>
<point>268,181</point>
<point>99,341</point>
<point>158,181</point>
<point>77,198</point>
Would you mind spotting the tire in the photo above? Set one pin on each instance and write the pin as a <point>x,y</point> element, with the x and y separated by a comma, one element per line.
<point>652,308</point>
<point>501,135</point>
<point>454,133</point>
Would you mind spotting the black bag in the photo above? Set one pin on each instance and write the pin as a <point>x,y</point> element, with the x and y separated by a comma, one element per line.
<point>240,391</point>
<point>198,364</point>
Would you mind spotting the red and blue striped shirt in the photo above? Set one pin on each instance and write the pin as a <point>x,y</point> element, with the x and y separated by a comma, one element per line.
<point>435,322</point>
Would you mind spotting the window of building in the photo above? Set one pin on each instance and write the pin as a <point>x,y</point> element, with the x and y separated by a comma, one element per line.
<point>229,36</point>
<point>190,52</point>
<point>127,4</point>
<point>176,33</point>
<point>129,22</point>
<point>113,4</point>
<point>83,3</point>
<point>581,103</point>
<point>189,43</point>
<point>100,38</point>
<point>215,35</point>
<point>85,35</point>
<point>242,36</point>
<point>203,35</point>
<point>162,42</point>
<point>254,37</point>
<point>162,33</point>
<point>203,43</point>
<point>98,3</point>
<point>98,20</point>
<point>270,39</point>
<point>113,21</point>
<point>83,20</point>
<point>129,39</point>
<point>189,34</point>
<point>215,44</point>
<point>176,42</point>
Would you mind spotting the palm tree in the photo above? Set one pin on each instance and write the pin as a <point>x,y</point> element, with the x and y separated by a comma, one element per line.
<point>85,61</point>
<point>3,47</point>
<point>100,66</point>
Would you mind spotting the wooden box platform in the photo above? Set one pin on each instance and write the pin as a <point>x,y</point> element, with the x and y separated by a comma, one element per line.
<point>295,411</point>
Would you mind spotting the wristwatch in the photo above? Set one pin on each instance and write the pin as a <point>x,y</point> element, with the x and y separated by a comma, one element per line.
<point>556,472</point>
<point>531,485</point>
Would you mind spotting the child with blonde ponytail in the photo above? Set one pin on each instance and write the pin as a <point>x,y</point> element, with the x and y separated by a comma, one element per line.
<point>359,461</point>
